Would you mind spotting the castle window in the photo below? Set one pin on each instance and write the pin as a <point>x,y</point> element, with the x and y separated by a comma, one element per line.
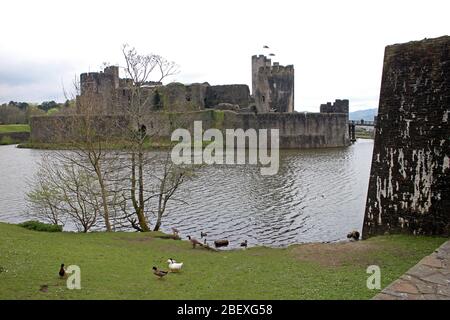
<point>263,98</point>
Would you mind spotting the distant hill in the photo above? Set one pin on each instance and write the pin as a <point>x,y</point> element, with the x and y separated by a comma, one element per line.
<point>366,115</point>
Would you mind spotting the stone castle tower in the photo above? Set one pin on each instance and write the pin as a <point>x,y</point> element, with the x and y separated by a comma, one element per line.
<point>100,88</point>
<point>272,85</point>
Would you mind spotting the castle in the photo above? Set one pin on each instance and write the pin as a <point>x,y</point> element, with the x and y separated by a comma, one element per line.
<point>272,91</point>
<point>269,105</point>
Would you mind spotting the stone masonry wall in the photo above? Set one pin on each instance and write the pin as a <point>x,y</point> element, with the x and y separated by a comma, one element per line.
<point>409,188</point>
<point>339,106</point>
<point>272,85</point>
<point>238,94</point>
<point>70,128</point>
<point>297,130</point>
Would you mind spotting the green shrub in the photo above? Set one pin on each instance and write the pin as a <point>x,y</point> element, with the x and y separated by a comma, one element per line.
<point>218,117</point>
<point>40,226</point>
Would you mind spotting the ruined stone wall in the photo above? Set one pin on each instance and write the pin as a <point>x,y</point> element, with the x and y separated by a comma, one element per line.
<point>110,95</point>
<point>339,106</point>
<point>100,87</point>
<point>257,63</point>
<point>72,128</point>
<point>273,85</point>
<point>179,97</point>
<point>409,188</point>
<point>237,94</point>
<point>297,130</point>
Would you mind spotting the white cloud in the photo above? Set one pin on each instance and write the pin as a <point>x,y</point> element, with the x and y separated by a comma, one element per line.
<point>336,46</point>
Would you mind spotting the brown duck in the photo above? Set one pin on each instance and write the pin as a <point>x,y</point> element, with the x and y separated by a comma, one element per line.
<point>159,273</point>
<point>194,242</point>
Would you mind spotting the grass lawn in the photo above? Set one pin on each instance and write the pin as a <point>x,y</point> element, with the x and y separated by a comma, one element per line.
<point>118,266</point>
<point>364,134</point>
<point>9,128</point>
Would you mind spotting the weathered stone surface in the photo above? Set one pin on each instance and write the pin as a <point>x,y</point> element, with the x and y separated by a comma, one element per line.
<point>234,94</point>
<point>443,290</point>
<point>409,188</point>
<point>420,271</point>
<point>297,130</point>
<point>438,278</point>
<point>339,106</point>
<point>404,287</point>
<point>384,296</point>
<point>272,85</point>
<point>226,106</point>
<point>423,287</point>
<point>432,261</point>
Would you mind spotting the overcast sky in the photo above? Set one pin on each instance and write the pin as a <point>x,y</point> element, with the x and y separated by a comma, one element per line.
<point>336,46</point>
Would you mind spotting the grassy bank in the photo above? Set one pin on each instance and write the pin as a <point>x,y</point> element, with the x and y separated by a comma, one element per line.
<point>364,134</point>
<point>10,128</point>
<point>118,266</point>
<point>116,145</point>
<point>14,133</point>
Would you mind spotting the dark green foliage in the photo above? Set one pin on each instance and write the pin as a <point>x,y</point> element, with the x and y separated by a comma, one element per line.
<point>20,105</point>
<point>47,105</point>
<point>40,226</point>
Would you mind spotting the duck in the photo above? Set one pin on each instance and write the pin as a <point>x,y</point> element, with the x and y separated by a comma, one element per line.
<point>221,243</point>
<point>159,273</point>
<point>62,271</point>
<point>244,244</point>
<point>354,235</point>
<point>174,266</point>
<point>194,242</point>
<point>44,288</point>
<point>175,232</point>
<point>203,234</point>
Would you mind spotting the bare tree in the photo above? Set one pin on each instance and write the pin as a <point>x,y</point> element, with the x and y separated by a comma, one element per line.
<point>172,177</point>
<point>90,182</point>
<point>64,190</point>
<point>89,138</point>
<point>140,69</point>
<point>44,200</point>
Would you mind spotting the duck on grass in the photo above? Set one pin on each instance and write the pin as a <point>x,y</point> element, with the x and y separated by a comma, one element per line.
<point>118,265</point>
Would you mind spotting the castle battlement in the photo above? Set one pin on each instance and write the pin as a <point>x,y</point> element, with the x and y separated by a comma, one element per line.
<point>272,85</point>
<point>339,106</point>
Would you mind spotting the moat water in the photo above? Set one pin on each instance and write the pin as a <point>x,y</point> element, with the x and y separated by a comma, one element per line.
<point>317,196</point>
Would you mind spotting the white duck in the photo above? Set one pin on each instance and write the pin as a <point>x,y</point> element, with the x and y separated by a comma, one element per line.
<point>174,266</point>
